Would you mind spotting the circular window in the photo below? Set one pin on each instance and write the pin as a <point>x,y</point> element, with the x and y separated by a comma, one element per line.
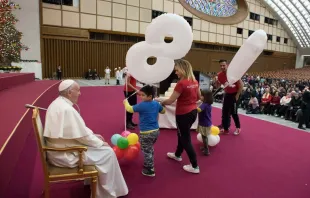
<point>218,11</point>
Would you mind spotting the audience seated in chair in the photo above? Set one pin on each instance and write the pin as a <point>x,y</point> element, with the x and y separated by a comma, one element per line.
<point>284,104</point>
<point>89,74</point>
<point>92,74</point>
<point>274,104</point>
<point>245,98</point>
<point>95,74</point>
<point>253,105</point>
<point>294,105</point>
<point>266,98</point>
<point>304,113</point>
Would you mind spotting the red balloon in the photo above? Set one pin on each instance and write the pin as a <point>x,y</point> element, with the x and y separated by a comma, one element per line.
<point>131,152</point>
<point>138,145</point>
<point>118,152</point>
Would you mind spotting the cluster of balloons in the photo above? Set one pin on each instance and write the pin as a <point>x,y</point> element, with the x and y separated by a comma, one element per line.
<point>126,145</point>
<point>213,138</point>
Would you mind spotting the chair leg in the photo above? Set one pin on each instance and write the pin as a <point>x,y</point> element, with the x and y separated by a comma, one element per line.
<point>47,190</point>
<point>94,186</point>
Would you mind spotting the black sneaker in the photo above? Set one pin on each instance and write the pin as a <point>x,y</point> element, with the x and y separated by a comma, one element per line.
<point>206,152</point>
<point>134,124</point>
<point>148,172</point>
<point>129,126</point>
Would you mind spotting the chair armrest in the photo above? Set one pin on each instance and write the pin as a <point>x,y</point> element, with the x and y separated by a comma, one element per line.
<point>75,148</point>
<point>79,149</point>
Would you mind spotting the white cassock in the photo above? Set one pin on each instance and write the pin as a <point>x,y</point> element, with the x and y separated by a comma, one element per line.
<point>64,127</point>
<point>118,75</point>
<point>121,74</point>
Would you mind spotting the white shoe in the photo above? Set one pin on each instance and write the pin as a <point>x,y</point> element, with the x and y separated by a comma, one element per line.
<point>190,169</point>
<point>237,132</point>
<point>172,156</point>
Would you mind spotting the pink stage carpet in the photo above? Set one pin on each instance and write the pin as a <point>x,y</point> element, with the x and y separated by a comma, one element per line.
<point>8,80</point>
<point>265,161</point>
<point>13,102</point>
<point>17,153</point>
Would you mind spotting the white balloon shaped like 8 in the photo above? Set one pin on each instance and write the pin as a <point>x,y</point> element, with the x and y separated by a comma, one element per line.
<point>155,46</point>
<point>246,56</point>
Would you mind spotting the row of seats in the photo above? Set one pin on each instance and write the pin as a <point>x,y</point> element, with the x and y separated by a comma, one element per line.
<point>289,74</point>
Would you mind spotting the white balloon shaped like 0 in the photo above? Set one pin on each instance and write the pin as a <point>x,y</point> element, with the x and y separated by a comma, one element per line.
<point>155,46</point>
<point>246,56</point>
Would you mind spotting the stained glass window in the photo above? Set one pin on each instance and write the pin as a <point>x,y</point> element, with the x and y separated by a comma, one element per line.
<point>218,8</point>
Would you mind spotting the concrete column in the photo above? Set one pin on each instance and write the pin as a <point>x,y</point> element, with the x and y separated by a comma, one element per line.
<point>299,60</point>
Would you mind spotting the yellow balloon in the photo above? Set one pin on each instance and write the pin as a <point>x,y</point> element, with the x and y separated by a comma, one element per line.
<point>133,138</point>
<point>215,130</point>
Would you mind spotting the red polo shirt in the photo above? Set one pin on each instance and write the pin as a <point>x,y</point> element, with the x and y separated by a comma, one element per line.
<point>222,78</point>
<point>188,91</point>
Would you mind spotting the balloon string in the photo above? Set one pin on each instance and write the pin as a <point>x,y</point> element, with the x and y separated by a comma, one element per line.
<point>126,85</point>
<point>218,90</point>
<point>126,99</point>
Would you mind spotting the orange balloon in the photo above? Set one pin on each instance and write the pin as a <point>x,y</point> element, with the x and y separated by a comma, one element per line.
<point>118,152</point>
<point>131,153</point>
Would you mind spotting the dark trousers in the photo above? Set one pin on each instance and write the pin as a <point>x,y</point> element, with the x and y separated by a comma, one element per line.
<point>59,76</point>
<point>117,82</point>
<point>184,123</point>
<point>147,142</point>
<point>230,109</point>
<point>282,110</point>
<point>290,113</point>
<point>132,101</point>
<point>304,119</point>
<point>272,108</point>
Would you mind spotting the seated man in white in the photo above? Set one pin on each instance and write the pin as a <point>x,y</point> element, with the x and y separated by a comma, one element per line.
<point>64,127</point>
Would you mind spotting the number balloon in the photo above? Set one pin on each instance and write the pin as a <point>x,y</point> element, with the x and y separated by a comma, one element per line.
<point>246,56</point>
<point>155,46</point>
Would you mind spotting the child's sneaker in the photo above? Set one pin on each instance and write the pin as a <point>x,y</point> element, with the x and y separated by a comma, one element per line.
<point>225,132</point>
<point>206,152</point>
<point>172,156</point>
<point>148,172</point>
<point>237,132</point>
<point>190,169</point>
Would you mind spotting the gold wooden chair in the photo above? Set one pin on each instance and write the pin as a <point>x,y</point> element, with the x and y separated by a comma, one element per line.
<point>59,174</point>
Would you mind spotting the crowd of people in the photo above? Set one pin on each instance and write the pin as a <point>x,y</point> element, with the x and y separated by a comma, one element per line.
<point>281,98</point>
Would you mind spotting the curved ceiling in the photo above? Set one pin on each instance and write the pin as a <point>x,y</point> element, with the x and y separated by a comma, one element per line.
<point>296,16</point>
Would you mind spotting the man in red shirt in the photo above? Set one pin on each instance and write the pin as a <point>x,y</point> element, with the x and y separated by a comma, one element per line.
<point>232,93</point>
<point>130,89</point>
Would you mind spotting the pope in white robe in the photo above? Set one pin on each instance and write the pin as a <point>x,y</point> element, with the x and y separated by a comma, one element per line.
<point>64,127</point>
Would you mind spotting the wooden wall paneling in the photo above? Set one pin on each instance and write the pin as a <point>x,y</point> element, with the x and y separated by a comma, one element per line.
<point>77,56</point>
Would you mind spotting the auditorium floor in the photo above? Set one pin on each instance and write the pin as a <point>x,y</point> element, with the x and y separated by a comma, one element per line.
<point>87,83</point>
<point>267,118</point>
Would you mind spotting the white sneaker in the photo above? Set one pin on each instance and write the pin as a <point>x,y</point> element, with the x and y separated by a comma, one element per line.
<point>172,156</point>
<point>190,169</point>
<point>237,132</point>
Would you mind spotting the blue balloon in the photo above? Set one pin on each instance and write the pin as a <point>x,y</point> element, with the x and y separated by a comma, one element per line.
<point>115,138</point>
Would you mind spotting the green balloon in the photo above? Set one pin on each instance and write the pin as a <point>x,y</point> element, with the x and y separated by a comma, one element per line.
<point>122,143</point>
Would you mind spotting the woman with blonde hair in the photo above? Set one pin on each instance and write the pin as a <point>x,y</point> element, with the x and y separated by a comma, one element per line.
<point>187,93</point>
